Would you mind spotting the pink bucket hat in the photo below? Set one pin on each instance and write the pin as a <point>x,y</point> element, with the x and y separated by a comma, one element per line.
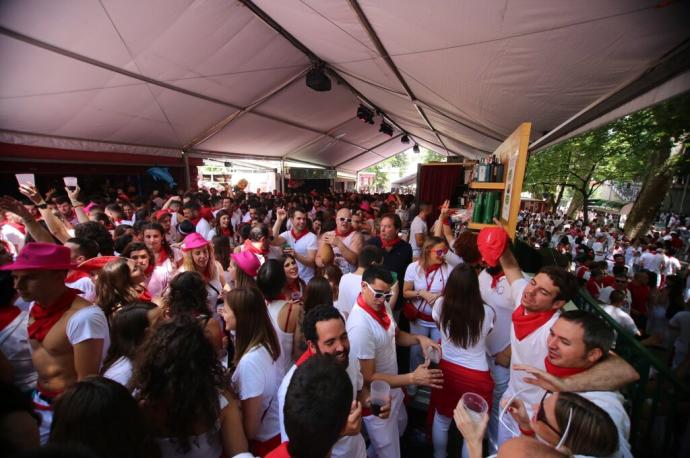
<point>41,256</point>
<point>248,262</point>
<point>193,241</point>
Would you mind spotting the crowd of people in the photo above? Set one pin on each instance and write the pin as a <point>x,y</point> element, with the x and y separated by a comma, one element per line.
<point>229,323</point>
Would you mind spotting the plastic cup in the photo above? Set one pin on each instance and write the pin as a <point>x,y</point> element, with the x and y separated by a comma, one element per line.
<point>70,182</point>
<point>475,406</point>
<point>434,356</point>
<point>26,178</point>
<point>380,391</point>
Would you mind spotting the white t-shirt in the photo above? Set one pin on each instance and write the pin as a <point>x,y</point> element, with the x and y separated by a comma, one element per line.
<point>339,259</point>
<point>349,288</point>
<point>652,261</point>
<point>369,340</point>
<point>347,446</point>
<point>501,300</point>
<point>89,323</point>
<point>621,318</point>
<point>473,357</point>
<point>418,226</point>
<point>257,375</point>
<point>435,282</point>
<point>605,297</point>
<point>532,350</point>
<point>306,243</point>
<point>203,227</point>
<point>599,253</point>
<point>120,371</point>
<point>681,320</point>
<point>671,265</point>
<point>612,403</point>
<point>86,286</point>
<point>14,344</point>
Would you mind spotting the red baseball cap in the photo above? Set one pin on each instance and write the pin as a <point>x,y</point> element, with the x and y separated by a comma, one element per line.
<point>492,242</point>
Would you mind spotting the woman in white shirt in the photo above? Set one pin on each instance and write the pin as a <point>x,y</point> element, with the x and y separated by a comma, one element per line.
<point>425,281</point>
<point>464,321</point>
<point>257,373</point>
<point>128,328</point>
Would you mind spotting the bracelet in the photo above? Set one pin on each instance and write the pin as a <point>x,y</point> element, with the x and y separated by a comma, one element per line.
<point>77,204</point>
<point>42,206</point>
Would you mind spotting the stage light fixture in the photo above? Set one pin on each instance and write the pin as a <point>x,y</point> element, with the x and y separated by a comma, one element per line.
<point>365,114</point>
<point>405,139</point>
<point>386,128</point>
<point>415,148</point>
<point>317,79</point>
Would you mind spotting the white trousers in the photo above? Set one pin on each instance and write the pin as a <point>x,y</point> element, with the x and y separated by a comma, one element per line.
<point>385,434</point>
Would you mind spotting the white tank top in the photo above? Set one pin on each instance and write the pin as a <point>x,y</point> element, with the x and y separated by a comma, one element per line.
<point>286,339</point>
<point>340,261</point>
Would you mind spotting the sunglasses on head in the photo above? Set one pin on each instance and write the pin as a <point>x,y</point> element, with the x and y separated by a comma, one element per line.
<point>342,220</point>
<point>379,294</point>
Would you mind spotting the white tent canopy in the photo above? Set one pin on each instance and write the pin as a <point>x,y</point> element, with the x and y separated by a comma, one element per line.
<point>224,78</point>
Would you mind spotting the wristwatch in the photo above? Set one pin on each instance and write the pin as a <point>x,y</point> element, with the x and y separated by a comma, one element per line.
<point>42,205</point>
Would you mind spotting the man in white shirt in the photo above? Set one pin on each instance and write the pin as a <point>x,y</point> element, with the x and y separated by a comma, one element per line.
<point>538,302</point>
<point>653,261</point>
<point>615,310</point>
<point>302,243</point>
<point>419,229</point>
<point>350,284</point>
<point>81,250</point>
<point>373,336</point>
<point>344,241</point>
<point>191,212</point>
<point>580,341</point>
<point>324,332</point>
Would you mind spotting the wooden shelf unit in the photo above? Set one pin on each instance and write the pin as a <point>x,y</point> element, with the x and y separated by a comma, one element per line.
<point>479,226</point>
<point>488,186</point>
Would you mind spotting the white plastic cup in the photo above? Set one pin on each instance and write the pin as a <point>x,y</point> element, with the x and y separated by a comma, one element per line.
<point>70,182</point>
<point>434,356</point>
<point>380,391</point>
<point>26,178</point>
<point>475,406</point>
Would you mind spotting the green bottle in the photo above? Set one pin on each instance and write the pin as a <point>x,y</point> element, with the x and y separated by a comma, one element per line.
<point>477,212</point>
<point>488,210</point>
<point>497,207</point>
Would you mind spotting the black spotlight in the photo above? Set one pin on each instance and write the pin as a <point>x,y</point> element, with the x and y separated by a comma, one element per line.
<point>317,79</point>
<point>405,139</point>
<point>415,149</point>
<point>365,114</point>
<point>386,128</point>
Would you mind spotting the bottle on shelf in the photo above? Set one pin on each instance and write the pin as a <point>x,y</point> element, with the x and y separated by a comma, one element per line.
<point>498,171</point>
<point>488,209</point>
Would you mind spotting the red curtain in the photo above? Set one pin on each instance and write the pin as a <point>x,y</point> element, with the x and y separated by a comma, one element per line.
<point>437,183</point>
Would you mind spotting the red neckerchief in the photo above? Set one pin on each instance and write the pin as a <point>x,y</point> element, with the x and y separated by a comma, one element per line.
<point>145,296</point>
<point>42,319</point>
<point>149,270</point>
<point>385,244</point>
<point>561,372</point>
<point>431,269</point>
<point>7,315</point>
<point>162,257</point>
<point>17,226</point>
<point>280,452</point>
<point>279,297</point>
<point>252,249</point>
<point>196,220</point>
<point>381,316</point>
<point>226,232</point>
<point>496,278</point>
<point>305,356</point>
<point>75,275</point>
<point>446,221</point>
<point>525,325</point>
<point>343,234</point>
<point>297,236</point>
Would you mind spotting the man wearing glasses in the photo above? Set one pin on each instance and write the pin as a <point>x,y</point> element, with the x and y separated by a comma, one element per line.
<point>345,242</point>
<point>538,302</point>
<point>373,336</point>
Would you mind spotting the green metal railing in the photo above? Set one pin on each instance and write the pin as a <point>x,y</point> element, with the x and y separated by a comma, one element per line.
<point>655,402</point>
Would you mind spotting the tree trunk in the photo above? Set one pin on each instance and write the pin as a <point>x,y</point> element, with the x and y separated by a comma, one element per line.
<point>585,208</point>
<point>557,202</point>
<point>575,204</point>
<point>656,185</point>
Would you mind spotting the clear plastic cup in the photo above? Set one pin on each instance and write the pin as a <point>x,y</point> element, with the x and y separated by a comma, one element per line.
<point>26,178</point>
<point>434,356</point>
<point>70,182</point>
<point>380,392</point>
<point>475,406</point>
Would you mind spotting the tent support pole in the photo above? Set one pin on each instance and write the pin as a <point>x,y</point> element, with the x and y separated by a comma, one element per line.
<point>187,176</point>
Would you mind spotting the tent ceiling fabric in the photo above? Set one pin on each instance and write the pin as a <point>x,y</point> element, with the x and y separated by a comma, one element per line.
<point>214,78</point>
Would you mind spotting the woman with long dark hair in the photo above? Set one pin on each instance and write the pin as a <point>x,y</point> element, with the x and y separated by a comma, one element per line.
<point>464,321</point>
<point>143,256</point>
<point>318,292</point>
<point>221,225</point>
<point>257,374</point>
<point>116,286</point>
<point>128,329</point>
<point>180,386</point>
<point>166,258</point>
<point>284,313</point>
<point>294,285</point>
<point>101,415</point>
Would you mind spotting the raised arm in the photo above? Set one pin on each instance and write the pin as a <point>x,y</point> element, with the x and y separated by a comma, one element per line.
<point>33,227</point>
<point>281,214</point>
<point>55,226</point>
<point>77,205</point>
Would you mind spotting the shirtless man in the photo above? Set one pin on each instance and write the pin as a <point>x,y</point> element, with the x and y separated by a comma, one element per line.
<point>68,335</point>
<point>346,243</point>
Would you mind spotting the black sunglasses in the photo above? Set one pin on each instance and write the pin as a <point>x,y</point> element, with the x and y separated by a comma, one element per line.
<point>541,414</point>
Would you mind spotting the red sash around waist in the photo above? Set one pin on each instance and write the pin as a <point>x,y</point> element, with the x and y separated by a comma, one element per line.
<point>458,380</point>
<point>262,449</point>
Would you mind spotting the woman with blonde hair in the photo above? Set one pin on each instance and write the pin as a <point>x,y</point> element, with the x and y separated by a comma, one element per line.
<point>257,373</point>
<point>198,257</point>
<point>425,281</point>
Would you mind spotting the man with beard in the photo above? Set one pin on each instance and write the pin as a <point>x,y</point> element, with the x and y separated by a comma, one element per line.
<point>324,332</point>
<point>303,244</point>
<point>345,242</point>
